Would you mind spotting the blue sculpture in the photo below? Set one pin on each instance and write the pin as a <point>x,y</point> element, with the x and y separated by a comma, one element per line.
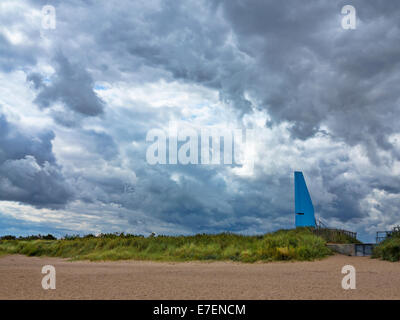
<point>304,209</point>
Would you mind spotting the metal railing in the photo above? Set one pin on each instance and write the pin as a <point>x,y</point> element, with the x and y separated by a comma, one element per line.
<point>382,235</point>
<point>331,234</point>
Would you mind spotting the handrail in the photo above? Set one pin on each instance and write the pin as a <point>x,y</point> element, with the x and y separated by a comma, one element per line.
<point>387,234</point>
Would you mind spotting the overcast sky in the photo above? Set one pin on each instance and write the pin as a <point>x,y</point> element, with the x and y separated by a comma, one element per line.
<point>77,101</point>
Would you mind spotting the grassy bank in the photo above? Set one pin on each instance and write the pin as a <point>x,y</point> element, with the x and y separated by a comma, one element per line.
<point>297,244</point>
<point>2,252</point>
<point>388,249</point>
<point>333,236</point>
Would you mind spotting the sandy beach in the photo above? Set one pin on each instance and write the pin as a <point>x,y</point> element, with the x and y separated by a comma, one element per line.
<point>20,278</point>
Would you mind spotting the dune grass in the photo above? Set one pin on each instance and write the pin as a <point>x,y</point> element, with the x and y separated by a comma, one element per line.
<point>2,252</point>
<point>332,236</point>
<point>296,244</point>
<point>389,249</point>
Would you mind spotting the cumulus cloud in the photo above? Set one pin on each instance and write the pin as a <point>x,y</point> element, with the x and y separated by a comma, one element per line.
<point>24,180</point>
<point>72,86</point>
<point>28,169</point>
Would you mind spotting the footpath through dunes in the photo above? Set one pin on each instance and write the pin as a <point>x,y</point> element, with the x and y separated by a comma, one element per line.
<point>20,278</point>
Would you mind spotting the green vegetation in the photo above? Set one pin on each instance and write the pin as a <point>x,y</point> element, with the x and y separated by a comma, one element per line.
<point>389,249</point>
<point>2,252</point>
<point>335,236</point>
<point>296,244</point>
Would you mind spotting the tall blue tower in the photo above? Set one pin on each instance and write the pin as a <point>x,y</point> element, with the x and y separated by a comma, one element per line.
<point>304,209</point>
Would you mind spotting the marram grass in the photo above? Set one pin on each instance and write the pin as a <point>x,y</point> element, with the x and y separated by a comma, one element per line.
<point>388,249</point>
<point>297,244</point>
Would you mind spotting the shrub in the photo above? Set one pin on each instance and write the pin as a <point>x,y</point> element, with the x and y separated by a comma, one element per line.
<point>389,249</point>
<point>8,237</point>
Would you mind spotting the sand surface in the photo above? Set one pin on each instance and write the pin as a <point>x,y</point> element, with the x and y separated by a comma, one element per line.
<point>20,278</point>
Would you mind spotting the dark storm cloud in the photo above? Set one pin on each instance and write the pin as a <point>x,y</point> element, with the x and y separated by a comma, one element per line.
<point>72,86</point>
<point>36,79</point>
<point>310,72</point>
<point>15,145</point>
<point>101,143</point>
<point>292,57</point>
<point>28,169</point>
